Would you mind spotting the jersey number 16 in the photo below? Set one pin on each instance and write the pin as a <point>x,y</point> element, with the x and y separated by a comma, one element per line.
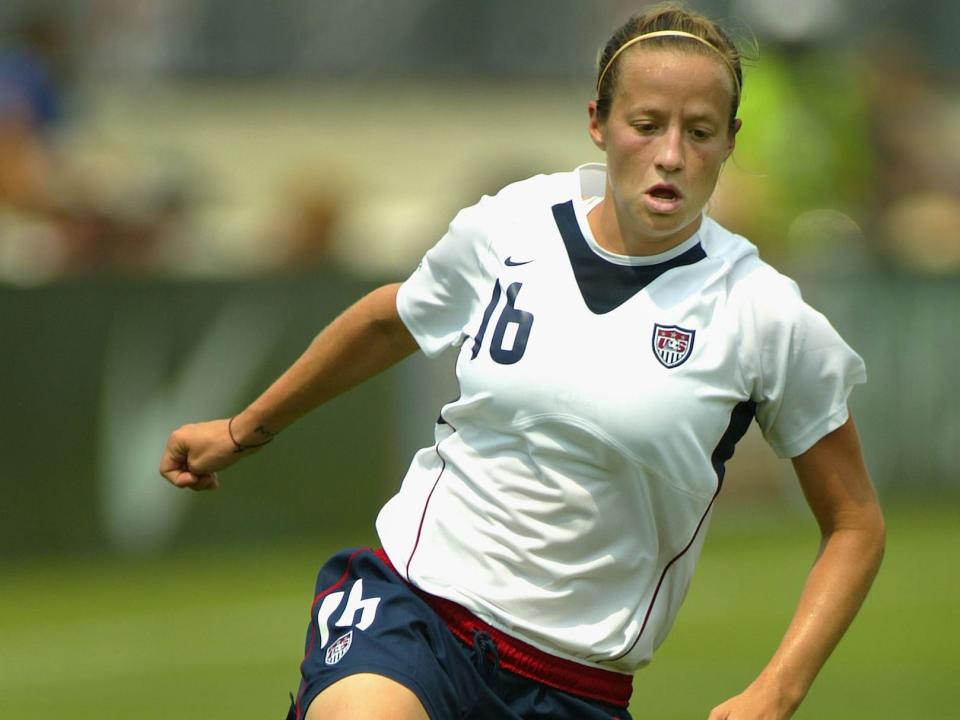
<point>511,315</point>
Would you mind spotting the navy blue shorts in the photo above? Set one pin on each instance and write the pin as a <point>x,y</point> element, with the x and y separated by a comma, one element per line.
<point>366,619</point>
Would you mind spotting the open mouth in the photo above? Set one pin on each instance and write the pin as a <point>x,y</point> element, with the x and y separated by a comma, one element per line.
<point>663,198</point>
<point>664,192</point>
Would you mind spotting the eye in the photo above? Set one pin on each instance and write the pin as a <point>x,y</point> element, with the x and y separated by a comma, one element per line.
<point>701,134</point>
<point>645,127</point>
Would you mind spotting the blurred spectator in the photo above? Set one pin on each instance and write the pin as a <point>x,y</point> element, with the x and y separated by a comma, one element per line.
<point>312,206</point>
<point>32,74</point>
<point>915,126</point>
<point>32,69</point>
<point>152,181</point>
<point>66,212</point>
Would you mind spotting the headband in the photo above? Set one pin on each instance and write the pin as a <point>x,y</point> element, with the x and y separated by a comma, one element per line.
<point>669,33</point>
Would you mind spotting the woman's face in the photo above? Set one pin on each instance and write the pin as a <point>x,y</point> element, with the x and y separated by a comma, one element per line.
<point>666,137</point>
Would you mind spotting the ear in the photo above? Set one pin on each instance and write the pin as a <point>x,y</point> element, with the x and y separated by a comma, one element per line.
<point>737,124</point>
<point>596,127</point>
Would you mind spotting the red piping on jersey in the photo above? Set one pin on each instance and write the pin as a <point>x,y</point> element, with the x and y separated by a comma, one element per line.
<point>663,575</point>
<point>423,515</point>
<point>523,659</point>
<point>322,594</point>
<point>739,422</point>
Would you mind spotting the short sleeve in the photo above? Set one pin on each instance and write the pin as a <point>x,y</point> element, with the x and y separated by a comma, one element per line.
<point>808,372</point>
<point>438,301</point>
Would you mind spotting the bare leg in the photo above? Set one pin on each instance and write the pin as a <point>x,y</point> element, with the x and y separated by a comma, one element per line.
<point>366,697</point>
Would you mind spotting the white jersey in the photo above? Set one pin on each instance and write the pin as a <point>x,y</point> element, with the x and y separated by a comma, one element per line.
<point>567,496</point>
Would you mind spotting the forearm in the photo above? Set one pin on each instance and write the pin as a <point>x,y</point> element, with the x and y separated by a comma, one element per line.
<point>837,487</point>
<point>836,587</point>
<point>367,338</point>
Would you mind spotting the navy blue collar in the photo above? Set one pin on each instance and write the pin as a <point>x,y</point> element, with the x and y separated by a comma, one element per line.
<point>604,285</point>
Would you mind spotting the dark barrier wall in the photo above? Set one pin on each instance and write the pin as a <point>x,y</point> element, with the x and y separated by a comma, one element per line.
<point>907,329</point>
<point>94,375</point>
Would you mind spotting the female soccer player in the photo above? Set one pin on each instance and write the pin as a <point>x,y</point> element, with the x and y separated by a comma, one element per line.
<point>615,343</point>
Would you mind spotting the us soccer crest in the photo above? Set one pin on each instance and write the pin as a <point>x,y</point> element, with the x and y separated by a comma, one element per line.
<point>338,648</point>
<point>672,344</point>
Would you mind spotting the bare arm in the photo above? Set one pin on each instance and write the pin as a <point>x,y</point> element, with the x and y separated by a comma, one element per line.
<point>838,489</point>
<point>367,338</point>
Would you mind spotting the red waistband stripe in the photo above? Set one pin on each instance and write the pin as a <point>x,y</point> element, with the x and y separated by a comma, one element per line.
<point>528,661</point>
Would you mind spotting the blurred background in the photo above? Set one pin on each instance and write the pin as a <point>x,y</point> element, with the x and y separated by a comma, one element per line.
<point>191,189</point>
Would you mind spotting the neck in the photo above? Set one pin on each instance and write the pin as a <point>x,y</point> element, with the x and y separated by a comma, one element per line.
<point>618,237</point>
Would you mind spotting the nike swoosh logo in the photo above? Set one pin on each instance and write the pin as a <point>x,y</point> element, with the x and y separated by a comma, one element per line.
<point>510,262</point>
<point>142,400</point>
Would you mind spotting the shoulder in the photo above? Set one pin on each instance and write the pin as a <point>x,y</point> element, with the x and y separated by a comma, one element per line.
<point>492,227</point>
<point>765,307</point>
<point>529,195</point>
<point>769,294</point>
<point>753,285</point>
<point>522,209</point>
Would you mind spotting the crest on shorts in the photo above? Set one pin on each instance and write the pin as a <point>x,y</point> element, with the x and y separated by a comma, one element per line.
<point>672,344</point>
<point>338,648</point>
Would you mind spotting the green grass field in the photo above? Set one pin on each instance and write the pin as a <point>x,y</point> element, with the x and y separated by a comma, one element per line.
<point>218,633</point>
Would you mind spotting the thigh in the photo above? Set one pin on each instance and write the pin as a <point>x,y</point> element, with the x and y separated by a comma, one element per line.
<point>373,643</point>
<point>369,696</point>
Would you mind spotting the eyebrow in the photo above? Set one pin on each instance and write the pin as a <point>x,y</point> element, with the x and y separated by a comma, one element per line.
<point>705,116</point>
<point>697,116</point>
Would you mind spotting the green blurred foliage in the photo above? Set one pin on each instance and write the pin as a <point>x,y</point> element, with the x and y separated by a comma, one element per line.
<point>805,143</point>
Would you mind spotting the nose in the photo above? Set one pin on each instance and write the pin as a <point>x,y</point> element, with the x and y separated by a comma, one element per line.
<point>669,155</point>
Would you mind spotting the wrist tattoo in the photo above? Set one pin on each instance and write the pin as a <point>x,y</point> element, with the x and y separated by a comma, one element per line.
<point>260,430</point>
<point>266,433</point>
